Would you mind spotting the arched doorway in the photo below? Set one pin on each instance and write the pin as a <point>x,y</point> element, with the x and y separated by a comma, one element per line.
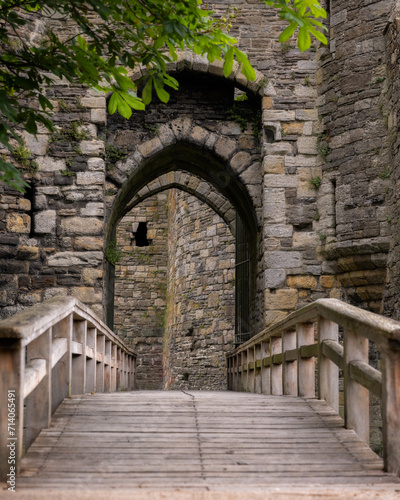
<point>207,152</point>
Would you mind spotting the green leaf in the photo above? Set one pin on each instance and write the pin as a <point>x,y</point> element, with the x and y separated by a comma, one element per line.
<point>304,40</point>
<point>134,102</point>
<point>228,64</point>
<point>123,108</point>
<point>162,94</point>
<point>287,32</point>
<point>318,35</point>
<point>113,103</point>
<point>147,91</point>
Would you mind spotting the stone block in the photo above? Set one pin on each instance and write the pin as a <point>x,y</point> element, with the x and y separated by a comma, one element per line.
<point>327,281</point>
<point>277,148</point>
<point>252,175</point>
<point>93,102</point>
<point>96,164</point>
<point>36,145</point>
<point>66,259</point>
<point>150,147</point>
<point>90,276</point>
<point>272,317</point>
<point>267,103</point>
<point>276,115</point>
<point>87,295</point>
<point>306,114</point>
<point>240,161</point>
<point>18,223</point>
<point>230,128</point>
<point>300,161</point>
<point>45,221</point>
<point>278,230</point>
<point>280,181</point>
<point>305,239</point>
<point>199,135</point>
<point>281,299</point>
<point>295,128</point>
<point>166,135</point>
<point>92,148</point>
<point>54,292</point>
<point>338,18</point>
<point>90,178</point>
<point>50,164</point>
<point>82,226</point>
<point>305,91</point>
<point>98,115</point>
<point>274,278</point>
<point>285,260</point>
<point>28,253</point>
<point>93,209</point>
<point>225,148</point>
<point>49,190</point>
<point>307,145</point>
<point>302,282</point>
<point>273,164</point>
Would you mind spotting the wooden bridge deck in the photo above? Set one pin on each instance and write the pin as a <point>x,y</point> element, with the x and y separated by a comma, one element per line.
<point>197,439</point>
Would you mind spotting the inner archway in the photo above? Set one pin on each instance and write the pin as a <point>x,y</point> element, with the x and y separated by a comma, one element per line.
<point>195,145</point>
<point>174,299</point>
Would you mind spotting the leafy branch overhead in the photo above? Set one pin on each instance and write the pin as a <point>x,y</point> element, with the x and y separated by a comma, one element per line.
<point>102,42</point>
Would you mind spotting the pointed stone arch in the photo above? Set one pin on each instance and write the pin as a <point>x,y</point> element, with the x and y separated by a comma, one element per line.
<point>200,64</point>
<point>206,164</point>
<point>191,184</point>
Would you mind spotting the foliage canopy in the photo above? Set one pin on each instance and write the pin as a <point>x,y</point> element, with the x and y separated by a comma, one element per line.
<point>104,41</point>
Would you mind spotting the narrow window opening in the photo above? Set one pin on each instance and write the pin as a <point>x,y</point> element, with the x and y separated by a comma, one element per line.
<point>141,235</point>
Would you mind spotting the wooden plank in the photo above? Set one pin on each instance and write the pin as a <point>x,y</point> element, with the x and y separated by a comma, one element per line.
<point>206,439</point>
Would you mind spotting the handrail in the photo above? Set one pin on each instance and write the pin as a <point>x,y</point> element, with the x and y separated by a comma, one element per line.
<point>280,361</point>
<point>48,352</point>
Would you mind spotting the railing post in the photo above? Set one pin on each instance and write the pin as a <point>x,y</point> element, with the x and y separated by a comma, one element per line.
<point>356,397</point>
<point>250,372</point>
<point>266,370</point>
<point>133,385</point>
<point>244,373</point>
<point>91,362</point>
<point>305,367</point>
<point>328,372</point>
<point>101,344</point>
<point>391,405</point>
<point>107,367</point>
<point>38,403</point>
<point>114,367</point>
<point>258,368</point>
<point>78,385</point>
<point>12,367</point>
<point>238,375</point>
<point>276,369</point>
<point>61,373</point>
<point>228,368</point>
<point>289,371</point>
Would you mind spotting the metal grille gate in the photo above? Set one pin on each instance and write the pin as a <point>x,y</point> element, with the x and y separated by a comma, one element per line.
<point>242,273</point>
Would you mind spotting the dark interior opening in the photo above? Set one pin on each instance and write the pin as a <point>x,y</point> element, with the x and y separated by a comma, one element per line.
<point>141,235</point>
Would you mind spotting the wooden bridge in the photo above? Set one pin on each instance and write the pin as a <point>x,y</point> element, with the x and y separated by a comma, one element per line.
<point>267,433</point>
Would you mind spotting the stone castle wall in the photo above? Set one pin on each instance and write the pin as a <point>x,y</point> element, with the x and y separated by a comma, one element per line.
<point>392,114</point>
<point>201,298</point>
<point>141,286</point>
<point>353,144</point>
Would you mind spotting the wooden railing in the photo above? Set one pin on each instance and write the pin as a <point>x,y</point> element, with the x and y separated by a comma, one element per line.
<point>48,352</point>
<point>281,360</point>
